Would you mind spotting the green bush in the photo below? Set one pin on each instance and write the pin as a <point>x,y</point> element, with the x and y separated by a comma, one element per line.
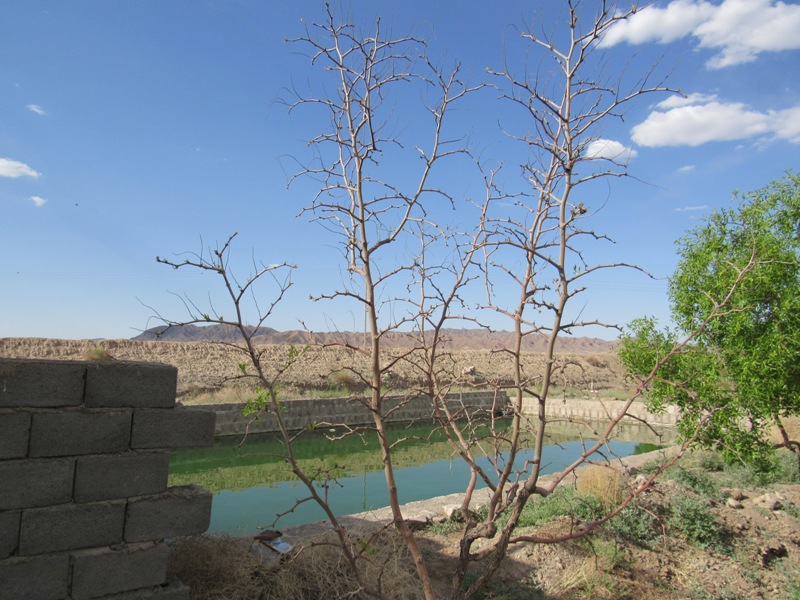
<point>564,502</point>
<point>693,518</point>
<point>635,525</point>
<point>699,481</point>
<point>782,468</point>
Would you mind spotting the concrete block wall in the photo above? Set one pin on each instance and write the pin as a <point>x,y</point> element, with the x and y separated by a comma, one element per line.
<point>84,460</point>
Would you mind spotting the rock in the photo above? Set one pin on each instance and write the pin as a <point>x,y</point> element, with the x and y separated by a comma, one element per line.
<point>737,494</point>
<point>733,503</point>
<point>769,501</point>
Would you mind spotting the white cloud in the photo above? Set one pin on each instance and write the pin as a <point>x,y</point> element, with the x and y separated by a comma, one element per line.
<point>692,208</point>
<point>38,200</point>
<point>786,124</point>
<point>739,30</point>
<point>35,108</point>
<point>610,150</point>
<point>707,119</point>
<point>677,100</point>
<point>687,169</point>
<point>14,169</point>
<point>662,25</point>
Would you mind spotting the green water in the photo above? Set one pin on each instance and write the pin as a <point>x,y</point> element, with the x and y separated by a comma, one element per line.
<point>252,482</point>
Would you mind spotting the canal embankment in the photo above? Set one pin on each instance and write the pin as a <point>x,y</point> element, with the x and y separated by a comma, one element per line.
<point>348,410</point>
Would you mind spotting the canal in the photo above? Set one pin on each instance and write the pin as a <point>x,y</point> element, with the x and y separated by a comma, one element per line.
<point>252,482</point>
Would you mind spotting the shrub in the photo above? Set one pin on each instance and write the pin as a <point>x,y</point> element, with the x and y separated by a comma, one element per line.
<point>693,518</point>
<point>635,525</point>
<point>700,482</point>
<point>605,484</point>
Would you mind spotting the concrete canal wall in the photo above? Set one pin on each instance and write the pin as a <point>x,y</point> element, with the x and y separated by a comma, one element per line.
<point>84,459</point>
<point>299,414</point>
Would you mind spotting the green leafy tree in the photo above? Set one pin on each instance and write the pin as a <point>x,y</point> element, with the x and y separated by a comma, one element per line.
<point>737,290</point>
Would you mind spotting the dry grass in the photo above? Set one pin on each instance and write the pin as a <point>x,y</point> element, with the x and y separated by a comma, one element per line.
<point>604,483</point>
<point>219,567</point>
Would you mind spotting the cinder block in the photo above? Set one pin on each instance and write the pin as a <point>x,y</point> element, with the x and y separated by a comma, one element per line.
<point>103,571</point>
<point>9,532</point>
<point>178,428</point>
<point>41,383</point>
<point>30,483</point>
<point>111,476</point>
<point>131,384</point>
<point>75,432</point>
<point>172,590</point>
<point>71,526</point>
<point>182,510</point>
<point>38,578</point>
<point>14,429</point>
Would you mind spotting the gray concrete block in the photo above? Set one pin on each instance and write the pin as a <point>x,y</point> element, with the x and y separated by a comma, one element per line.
<point>37,578</point>
<point>71,526</point>
<point>172,590</point>
<point>80,431</point>
<point>41,383</point>
<point>179,428</point>
<point>103,571</point>
<point>30,483</point>
<point>9,532</point>
<point>182,510</point>
<point>14,429</point>
<point>134,384</point>
<point>110,476</point>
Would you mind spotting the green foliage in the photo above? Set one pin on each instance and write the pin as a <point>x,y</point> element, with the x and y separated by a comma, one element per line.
<point>693,517</point>
<point>563,502</point>
<point>636,525</point>
<point>698,481</point>
<point>782,468</point>
<point>737,287</point>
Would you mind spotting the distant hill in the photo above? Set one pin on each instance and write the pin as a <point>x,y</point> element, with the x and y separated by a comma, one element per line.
<point>456,339</point>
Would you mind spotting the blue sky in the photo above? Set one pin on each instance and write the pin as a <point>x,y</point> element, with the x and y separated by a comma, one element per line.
<point>132,129</point>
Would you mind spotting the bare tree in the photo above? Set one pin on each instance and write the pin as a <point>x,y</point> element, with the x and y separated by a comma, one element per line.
<point>370,209</point>
<point>542,247</point>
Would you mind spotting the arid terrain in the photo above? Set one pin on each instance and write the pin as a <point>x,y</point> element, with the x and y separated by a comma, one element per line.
<point>207,367</point>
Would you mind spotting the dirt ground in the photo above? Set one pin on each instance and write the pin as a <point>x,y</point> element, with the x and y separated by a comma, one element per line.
<point>760,558</point>
<point>743,543</point>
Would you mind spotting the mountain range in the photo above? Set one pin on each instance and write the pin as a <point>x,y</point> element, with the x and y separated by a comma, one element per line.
<point>455,339</point>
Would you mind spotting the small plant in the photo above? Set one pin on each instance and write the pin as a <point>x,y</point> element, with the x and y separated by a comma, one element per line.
<point>562,503</point>
<point>781,469</point>
<point>605,484</point>
<point>97,354</point>
<point>710,461</point>
<point>636,525</point>
<point>700,482</point>
<point>693,518</point>
<point>346,380</point>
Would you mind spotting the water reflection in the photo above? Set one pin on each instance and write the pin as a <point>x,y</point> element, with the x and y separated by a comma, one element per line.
<point>253,483</point>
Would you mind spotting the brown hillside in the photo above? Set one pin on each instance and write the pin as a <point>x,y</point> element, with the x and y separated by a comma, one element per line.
<point>204,366</point>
